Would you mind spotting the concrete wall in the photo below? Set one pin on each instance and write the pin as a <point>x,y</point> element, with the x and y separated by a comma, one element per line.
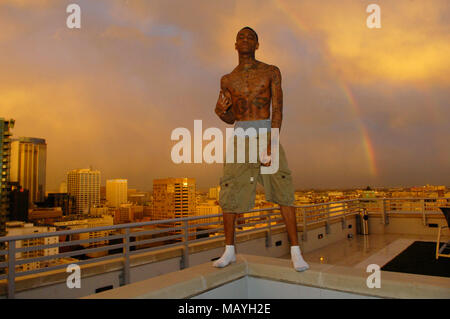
<point>259,288</point>
<point>60,290</point>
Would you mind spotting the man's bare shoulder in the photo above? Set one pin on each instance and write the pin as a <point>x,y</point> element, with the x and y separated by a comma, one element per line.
<point>267,67</point>
<point>263,65</point>
<point>231,77</point>
<point>273,69</point>
<point>275,74</point>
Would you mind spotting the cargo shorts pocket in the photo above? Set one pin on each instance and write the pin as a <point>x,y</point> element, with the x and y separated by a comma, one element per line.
<point>282,188</point>
<point>227,194</point>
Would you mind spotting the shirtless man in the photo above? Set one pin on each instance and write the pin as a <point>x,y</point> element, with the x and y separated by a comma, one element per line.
<point>244,100</point>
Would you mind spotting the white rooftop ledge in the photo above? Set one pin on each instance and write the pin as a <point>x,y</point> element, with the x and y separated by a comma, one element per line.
<point>197,280</point>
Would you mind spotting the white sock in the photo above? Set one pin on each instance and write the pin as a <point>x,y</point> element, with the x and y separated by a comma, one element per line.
<point>297,258</point>
<point>228,256</point>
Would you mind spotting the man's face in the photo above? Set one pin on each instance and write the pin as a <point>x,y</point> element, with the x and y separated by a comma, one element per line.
<point>246,41</point>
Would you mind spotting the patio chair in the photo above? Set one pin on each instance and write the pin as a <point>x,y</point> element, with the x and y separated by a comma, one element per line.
<point>439,251</point>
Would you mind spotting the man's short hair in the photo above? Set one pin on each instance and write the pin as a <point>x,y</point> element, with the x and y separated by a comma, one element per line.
<point>256,35</point>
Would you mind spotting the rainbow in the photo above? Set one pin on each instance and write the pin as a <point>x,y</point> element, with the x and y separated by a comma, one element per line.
<point>355,108</point>
<point>368,147</point>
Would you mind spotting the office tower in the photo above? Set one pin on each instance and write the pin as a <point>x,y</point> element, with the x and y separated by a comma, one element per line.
<point>18,203</point>
<point>123,214</point>
<point>84,185</point>
<point>137,213</point>
<point>116,192</point>
<point>214,193</point>
<point>63,200</point>
<point>127,213</point>
<point>138,197</point>
<point>174,198</point>
<point>28,166</point>
<point>5,157</point>
<point>63,187</point>
<point>148,211</point>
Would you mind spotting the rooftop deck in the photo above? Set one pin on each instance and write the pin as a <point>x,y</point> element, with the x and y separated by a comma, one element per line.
<point>361,251</point>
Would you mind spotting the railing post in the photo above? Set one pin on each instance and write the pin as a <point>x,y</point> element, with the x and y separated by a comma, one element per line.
<point>126,252</point>
<point>327,222</point>
<point>424,217</point>
<point>343,222</point>
<point>11,268</point>
<point>185,258</point>
<point>384,218</point>
<point>269,231</point>
<point>304,235</point>
<point>234,230</point>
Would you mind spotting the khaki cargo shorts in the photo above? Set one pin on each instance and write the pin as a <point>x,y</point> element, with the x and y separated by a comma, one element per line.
<point>238,184</point>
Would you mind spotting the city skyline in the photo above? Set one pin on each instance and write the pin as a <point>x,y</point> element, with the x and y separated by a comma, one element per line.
<point>363,107</point>
<point>105,179</point>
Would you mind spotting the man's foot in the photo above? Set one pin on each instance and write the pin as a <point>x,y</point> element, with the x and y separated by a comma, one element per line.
<point>228,257</point>
<point>297,259</point>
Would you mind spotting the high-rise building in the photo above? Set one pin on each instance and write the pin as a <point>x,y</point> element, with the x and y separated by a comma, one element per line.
<point>5,158</point>
<point>84,185</point>
<point>138,197</point>
<point>127,213</point>
<point>123,214</point>
<point>214,192</point>
<point>63,187</point>
<point>18,203</point>
<point>28,166</point>
<point>116,192</point>
<point>173,198</point>
<point>63,200</point>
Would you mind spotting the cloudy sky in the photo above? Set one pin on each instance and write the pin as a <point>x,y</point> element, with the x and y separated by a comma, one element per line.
<point>361,106</point>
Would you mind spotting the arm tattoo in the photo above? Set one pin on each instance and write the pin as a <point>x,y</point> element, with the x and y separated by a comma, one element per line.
<point>277,99</point>
<point>228,116</point>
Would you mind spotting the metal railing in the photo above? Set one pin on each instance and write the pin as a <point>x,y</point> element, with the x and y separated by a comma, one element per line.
<point>404,205</point>
<point>126,240</point>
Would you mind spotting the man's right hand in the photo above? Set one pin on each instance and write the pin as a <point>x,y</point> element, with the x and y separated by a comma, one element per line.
<point>224,102</point>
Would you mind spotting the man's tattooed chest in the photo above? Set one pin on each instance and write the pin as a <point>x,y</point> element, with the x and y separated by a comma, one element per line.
<point>252,93</point>
<point>250,87</point>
